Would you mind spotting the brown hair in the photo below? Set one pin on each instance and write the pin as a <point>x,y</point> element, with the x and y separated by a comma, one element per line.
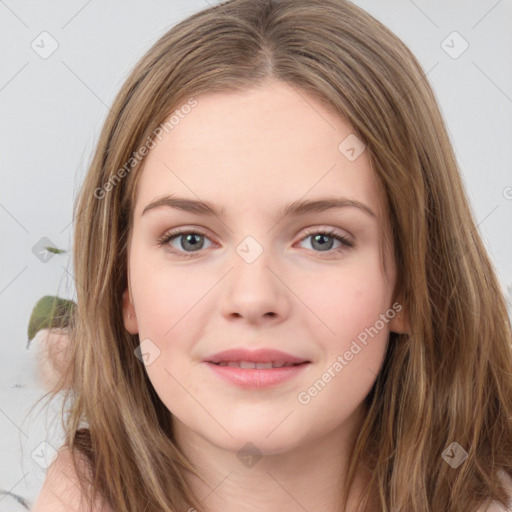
<point>448,380</point>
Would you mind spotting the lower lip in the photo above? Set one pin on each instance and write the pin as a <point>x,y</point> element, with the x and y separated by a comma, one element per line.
<point>257,378</point>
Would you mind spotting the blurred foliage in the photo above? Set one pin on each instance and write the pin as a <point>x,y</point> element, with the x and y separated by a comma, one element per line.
<point>55,250</point>
<point>50,312</point>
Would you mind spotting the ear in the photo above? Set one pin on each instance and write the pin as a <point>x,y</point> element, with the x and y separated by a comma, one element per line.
<point>400,322</point>
<point>129,317</point>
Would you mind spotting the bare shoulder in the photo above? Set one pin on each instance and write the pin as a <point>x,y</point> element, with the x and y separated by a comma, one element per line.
<point>61,489</point>
<point>495,506</point>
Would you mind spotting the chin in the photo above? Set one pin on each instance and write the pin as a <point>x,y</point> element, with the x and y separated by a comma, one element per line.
<point>259,441</point>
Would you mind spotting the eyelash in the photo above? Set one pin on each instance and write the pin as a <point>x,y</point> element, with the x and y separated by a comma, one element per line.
<point>165,239</point>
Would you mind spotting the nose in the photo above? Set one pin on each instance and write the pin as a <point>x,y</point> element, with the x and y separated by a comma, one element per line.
<point>254,291</point>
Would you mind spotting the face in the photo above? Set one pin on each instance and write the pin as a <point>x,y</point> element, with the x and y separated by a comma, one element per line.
<point>249,277</point>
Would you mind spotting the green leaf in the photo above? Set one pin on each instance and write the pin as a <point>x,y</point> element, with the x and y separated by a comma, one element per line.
<point>55,250</point>
<point>50,312</point>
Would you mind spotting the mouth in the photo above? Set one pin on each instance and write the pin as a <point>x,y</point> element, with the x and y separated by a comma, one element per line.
<point>257,375</point>
<point>260,359</point>
<point>258,366</point>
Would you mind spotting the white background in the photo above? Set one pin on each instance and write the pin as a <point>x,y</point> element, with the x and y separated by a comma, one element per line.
<point>52,109</point>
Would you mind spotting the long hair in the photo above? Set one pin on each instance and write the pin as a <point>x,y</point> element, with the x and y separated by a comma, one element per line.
<point>448,380</point>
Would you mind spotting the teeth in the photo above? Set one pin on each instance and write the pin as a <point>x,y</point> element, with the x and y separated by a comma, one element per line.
<point>261,366</point>
<point>258,366</point>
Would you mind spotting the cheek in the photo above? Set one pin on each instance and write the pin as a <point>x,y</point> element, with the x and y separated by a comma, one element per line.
<point>165,294</point>
<point>348,299</point>
<point>350,335</point>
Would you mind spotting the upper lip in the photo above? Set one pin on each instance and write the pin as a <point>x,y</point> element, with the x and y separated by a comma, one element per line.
<point>263,355</point>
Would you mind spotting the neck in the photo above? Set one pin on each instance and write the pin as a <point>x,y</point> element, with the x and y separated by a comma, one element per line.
<point>307,477</point>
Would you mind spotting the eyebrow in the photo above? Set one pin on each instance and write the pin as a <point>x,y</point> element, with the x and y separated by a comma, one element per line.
<point>294,209</point>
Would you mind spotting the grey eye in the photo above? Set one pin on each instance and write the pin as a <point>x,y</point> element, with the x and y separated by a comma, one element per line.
<point>189,241</point>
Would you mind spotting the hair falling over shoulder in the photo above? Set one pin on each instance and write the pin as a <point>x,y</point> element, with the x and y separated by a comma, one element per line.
<point>449,380</point>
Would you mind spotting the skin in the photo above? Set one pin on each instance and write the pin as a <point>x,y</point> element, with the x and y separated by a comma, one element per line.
<point>52,356</point>
<point>251,153</point>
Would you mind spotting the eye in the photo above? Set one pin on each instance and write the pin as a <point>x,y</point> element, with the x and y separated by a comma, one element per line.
<point>324,240</point>
<point>192,242</point>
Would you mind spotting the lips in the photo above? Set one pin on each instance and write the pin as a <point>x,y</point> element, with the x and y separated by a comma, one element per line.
<point>256,369</point>
<point>258,366</point>
<point>257,359</point>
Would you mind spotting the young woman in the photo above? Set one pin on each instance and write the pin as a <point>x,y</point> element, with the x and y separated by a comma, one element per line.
<point>283,299</point>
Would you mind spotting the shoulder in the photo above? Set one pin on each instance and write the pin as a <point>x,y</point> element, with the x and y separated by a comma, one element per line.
<point>495,506</point>
<point>61,489</point>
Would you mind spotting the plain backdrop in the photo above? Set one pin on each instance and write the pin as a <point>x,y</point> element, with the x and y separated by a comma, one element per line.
<point>52,107</point>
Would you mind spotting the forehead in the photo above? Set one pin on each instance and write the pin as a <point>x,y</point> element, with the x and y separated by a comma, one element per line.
<point>257,149</point>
